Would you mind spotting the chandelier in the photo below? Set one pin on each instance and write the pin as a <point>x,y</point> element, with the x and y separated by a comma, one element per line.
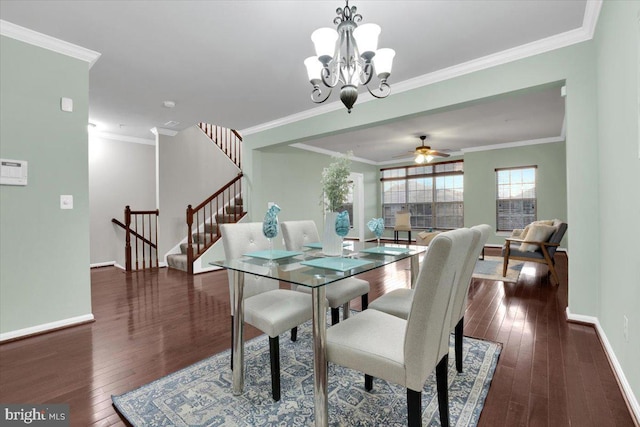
<point>349,56</point>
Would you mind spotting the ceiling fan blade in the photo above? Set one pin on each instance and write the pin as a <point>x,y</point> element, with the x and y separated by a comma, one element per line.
<point>439,153</point>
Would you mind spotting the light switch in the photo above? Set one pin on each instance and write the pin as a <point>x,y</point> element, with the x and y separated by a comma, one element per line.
<point>66,201</point>
<point>66,104</point>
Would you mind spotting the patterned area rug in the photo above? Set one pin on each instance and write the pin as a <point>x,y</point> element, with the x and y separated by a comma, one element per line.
<point>200,395</point>
<point>491,268</point>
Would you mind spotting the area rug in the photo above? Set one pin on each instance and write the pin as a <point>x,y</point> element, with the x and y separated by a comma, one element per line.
<point>200,395</point>
<point>491,268</point>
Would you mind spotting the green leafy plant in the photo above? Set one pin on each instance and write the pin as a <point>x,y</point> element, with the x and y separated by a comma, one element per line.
<point>335,182</point>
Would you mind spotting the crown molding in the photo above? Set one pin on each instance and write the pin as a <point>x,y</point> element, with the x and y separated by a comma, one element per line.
<point>514,144</point>
<point>332,153</point>
<point>548,140</point>
<point>162,131</point>
<point>307,114</point>
<point>123,138</point>
<point>591,14</point>
<point>453,153</point>
<point>35,38</point>
<point>558,41</point>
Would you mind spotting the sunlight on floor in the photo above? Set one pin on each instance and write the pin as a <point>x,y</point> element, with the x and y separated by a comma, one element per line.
<point>528,270</point>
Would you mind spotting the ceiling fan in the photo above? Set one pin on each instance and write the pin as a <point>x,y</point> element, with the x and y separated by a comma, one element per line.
<point>424,153</point>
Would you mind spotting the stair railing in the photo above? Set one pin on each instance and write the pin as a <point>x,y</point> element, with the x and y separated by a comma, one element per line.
<point>228,140</point>
<point>143,226</point>
<point>208,210</point>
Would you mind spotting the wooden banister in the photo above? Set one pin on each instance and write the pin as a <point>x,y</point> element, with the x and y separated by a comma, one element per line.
<point>219,192</point>
<point>215,207</point>
<point>145,229</point>
<point>124,227</point>
<point>228,140</point>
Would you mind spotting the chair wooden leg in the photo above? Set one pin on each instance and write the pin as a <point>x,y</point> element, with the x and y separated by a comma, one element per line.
<point>294,333</point>
<point>368,382</point>
<point>335,315</point>
<point>505,263</point>
<point>459,330</point>
<point>554,273</point>
<point>274,353</point>
<point>232,343</point>
<point>552,268</point>
<point>364,301</point>
<point>443,390</point>
<point>414,408</point>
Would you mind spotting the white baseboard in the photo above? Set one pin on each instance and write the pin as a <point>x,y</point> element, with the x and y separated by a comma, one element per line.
<point>46,327</point>
<point>160,264</point>
<point>622,379</point>
<point>206,269</point>
<point>102,264</point>
<point>492,245</point>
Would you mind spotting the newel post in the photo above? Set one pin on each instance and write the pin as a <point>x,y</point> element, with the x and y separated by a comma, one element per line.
<point>127,245</point>
<point>189,240</point>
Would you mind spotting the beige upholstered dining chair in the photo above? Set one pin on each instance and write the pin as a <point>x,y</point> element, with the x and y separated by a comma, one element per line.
<point>398,302</point>
<point>403,223</point>
<point>406,351</point>
<point>296,235</point>
<point>266,306</point>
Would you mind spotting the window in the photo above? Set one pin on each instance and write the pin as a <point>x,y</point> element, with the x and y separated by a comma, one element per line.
<point>433,194</point>
<point>515,197</point>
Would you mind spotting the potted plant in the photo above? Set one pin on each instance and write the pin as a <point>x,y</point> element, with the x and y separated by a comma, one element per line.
<point>335,188</point>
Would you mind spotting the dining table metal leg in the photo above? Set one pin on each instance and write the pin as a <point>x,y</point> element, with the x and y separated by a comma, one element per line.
<point>238,332</point>
<point>320,366</point>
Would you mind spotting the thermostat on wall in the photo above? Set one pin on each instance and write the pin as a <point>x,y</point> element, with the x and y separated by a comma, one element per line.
<point>13,172</point>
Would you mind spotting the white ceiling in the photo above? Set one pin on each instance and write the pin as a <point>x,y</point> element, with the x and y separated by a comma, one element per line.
<point>239,63</point>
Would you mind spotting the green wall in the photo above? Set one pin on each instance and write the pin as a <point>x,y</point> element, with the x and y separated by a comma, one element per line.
<point>291,178</point>
<point>573,65</point>
<point>44,267</point>
<point>617,53</point>
<point>480,182</point>
<point>601,155</point>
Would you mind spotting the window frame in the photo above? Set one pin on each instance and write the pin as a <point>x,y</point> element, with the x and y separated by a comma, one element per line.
<point>526,218</point>
<point>425,212</point>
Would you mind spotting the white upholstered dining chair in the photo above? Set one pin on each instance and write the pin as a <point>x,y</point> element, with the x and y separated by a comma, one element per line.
<point>266,306</point>
<point>398,301</point>
<point>405,351</point>
<point>296,235</point>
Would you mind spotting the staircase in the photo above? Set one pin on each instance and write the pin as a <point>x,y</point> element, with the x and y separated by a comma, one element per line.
<point>228,140</point>
<point>224,206</point>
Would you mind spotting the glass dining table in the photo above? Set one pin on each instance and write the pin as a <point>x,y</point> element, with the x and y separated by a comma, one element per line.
<point>312,269</point>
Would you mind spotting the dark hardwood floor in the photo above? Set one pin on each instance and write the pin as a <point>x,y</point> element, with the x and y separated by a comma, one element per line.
<point>149,324</point>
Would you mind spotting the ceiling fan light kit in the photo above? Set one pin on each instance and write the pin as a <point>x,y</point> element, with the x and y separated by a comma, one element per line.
<point>424,153</point>
<point>349,55</point>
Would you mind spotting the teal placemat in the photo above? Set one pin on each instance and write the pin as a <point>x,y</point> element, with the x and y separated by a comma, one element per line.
<point>386,250</point>
<point>275,254</point>
<point>339,264</point>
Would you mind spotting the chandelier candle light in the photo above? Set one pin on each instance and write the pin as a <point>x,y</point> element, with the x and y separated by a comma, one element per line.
<point>349,55</point>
